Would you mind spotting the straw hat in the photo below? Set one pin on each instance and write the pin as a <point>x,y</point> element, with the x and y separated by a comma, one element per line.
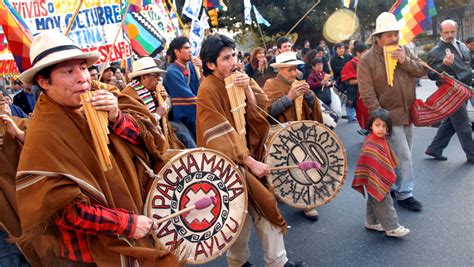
<point>286,59</point>
<point>52,47</point>
<point>144,65</point>
<point>386,22</point>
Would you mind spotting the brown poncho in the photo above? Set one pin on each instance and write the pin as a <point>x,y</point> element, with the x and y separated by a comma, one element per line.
<point>58,165</point>
<point>276,88</point>
<point>215,129</point>
<point>9,156</point>
<point>173,141</point>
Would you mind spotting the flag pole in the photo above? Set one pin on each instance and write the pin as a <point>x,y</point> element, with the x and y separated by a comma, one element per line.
<point>115,40</point>
<point>78,7</point>
<point>261,34</point>
<point>176,13</point>
<point>304,16</point>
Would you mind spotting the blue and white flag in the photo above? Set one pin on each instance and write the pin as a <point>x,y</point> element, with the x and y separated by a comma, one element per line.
<point>247,10</point>
<point>191,9</point>
<point>259,17</point>
<point>196,36</point>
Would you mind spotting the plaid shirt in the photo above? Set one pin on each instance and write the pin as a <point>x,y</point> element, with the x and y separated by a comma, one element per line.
<point>80,220</point>
<point>126,128</point>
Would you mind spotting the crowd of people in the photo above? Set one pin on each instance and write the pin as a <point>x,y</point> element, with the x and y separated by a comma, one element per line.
<point>63,209</point>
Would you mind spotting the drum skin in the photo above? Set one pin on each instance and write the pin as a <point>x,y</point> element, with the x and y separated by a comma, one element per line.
<point>189,175</point>
<point>305,141</point>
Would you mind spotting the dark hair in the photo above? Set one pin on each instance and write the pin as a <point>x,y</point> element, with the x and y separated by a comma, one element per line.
<point>316,61</point>
<point>211,48</point>
<point>45,73</point>
<point>319,49</point>
<point>246,54</point>
<point>253,57</point>
<point>470,40</point>
<point>384,116</point>
<point>93,67</point>
<point>308,57</point>
<point>281,41</point>
<point>177,43</point>
<point>337,45</point>
<point>359,47</point>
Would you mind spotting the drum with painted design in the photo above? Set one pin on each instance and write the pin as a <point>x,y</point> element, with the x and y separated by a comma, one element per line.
<point>301,141</point>
<point>190,175</point>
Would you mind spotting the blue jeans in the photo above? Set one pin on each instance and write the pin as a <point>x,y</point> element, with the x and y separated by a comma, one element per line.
<point>401,143</point>
<point>183,134</point>
<point>351,116</point>
<point>9,254</point>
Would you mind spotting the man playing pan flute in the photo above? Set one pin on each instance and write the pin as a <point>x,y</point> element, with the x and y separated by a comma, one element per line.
<point>72,211</point>
<point>283,91</point>
<point>145,77</point>
<point>217,129</point>
<point>397,99</point>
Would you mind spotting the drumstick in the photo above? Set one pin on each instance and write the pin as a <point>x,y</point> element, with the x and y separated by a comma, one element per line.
<point>304,165</point>
<point>199,205</point>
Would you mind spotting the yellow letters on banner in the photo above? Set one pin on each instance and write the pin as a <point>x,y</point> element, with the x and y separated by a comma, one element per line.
<point>62,7</point>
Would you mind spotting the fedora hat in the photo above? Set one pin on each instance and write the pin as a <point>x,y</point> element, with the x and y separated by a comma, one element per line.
<point>144,65</point>
<point>52,47</point>
<point>386,22</point>
<point>286,59</point>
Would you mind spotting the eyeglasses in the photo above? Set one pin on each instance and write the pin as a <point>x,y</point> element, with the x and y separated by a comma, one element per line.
<point>156,75</point>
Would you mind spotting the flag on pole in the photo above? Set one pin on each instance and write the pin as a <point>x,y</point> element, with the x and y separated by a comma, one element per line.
<point>191,9</point>
<point>247,10</point>
<point>138,5</point>
<point>346,3</point>
<point>212,4</point>
<point>259,18</point>
<point>196,36</point>
<point>144,37</point>
<point>18,35</point>
<point>174,19</point>
<point>413,16</point>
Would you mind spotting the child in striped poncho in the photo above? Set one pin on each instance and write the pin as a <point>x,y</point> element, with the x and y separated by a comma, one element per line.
<point>375,172</point>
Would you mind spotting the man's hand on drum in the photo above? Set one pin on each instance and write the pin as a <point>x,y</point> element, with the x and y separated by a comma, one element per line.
<point>106,101</point>
<point>258,168</point>
<point>144,226</point>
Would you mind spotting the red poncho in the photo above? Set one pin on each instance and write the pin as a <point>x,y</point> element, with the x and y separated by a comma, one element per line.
<point>376,168</point>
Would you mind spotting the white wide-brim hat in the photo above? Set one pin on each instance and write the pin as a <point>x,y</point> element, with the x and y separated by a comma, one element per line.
<point>144,65</point>
<point>386,22</point>
<point>52,47</point>
<point>286,59</point>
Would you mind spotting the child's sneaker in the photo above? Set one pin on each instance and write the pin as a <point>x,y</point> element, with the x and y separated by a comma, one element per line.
<point>398,232</point>
<point>375,227</point>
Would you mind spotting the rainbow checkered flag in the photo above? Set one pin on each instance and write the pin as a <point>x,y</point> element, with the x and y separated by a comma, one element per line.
<point>414,16</point>
<point>18,35</point>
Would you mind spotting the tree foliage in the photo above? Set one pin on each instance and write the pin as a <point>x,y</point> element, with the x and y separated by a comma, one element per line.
<point>283,14</point>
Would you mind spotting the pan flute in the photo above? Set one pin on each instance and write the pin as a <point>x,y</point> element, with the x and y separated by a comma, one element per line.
<point>237,102</point>
<point>299,103</point>
<point>164,120</point>
<point>390,63</point>
<point>98,121</point>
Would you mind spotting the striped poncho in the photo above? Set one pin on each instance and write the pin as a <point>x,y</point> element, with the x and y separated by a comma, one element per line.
<point>376,168</point>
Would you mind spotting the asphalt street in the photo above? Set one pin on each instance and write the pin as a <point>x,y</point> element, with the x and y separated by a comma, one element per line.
<point>442,234</point>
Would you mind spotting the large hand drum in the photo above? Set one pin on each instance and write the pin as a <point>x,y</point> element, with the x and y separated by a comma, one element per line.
<point>189,176</point>
<point>306,141</point>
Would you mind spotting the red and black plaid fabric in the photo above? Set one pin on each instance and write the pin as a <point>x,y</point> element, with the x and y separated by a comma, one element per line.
<point>126,128</point>
<point>80,220</point>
